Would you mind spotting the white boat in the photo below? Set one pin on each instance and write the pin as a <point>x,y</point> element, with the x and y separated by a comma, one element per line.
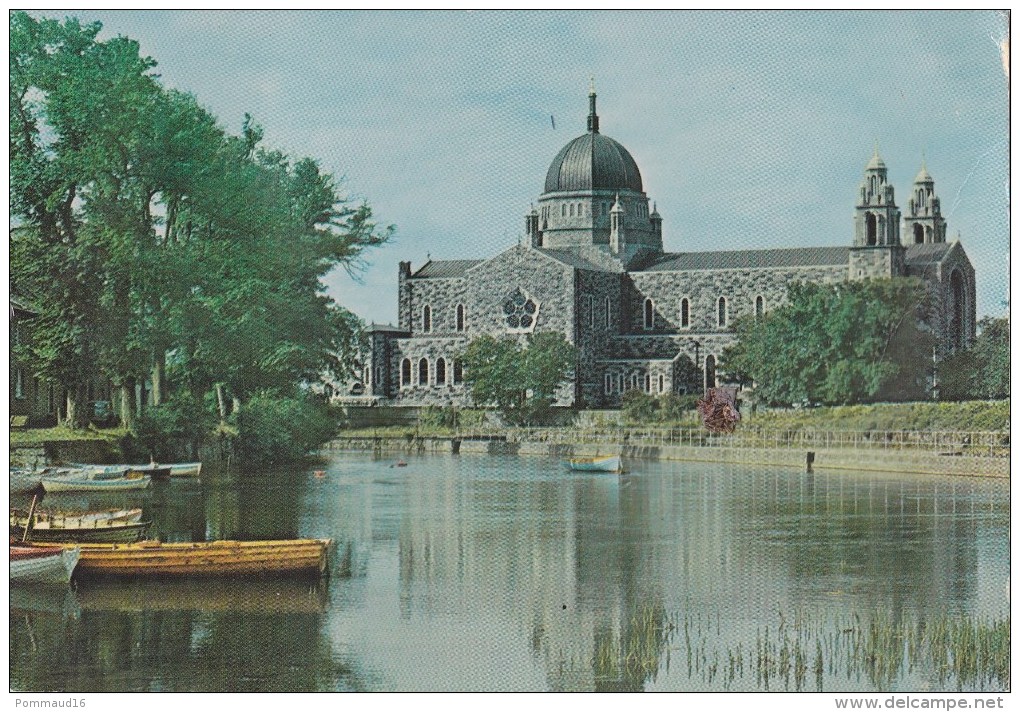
<point>607,463</point>
<point>43,564</point>
<point>87,482</point>
<point>154,469</point>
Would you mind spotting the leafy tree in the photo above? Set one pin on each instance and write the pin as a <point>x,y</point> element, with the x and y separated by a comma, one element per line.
<point>520,383</point>
<point>151,242</point>
<point>837,344</point>
<point>981,371</point>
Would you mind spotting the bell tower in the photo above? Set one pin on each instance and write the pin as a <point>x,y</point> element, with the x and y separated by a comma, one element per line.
<point>877,250</point>
<point>924,223</point>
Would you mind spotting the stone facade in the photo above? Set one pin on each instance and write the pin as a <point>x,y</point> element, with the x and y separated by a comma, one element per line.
<point>593,269</point>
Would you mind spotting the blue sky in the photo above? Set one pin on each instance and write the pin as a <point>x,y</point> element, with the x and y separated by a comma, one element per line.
<point>751,129</point>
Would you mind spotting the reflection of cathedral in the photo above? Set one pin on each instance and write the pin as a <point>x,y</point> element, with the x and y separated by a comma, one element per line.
<point>593,268</point>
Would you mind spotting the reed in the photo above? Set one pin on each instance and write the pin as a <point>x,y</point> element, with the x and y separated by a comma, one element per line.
<point>796,652</point>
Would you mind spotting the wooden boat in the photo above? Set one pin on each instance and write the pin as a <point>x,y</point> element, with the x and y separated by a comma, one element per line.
<point>85,481</point>
<point>43,564</point>
<point>157,470</point>
<point>121,525</point>
<point>606,463</point>
<point>283,557</point>
<point>24,480</point>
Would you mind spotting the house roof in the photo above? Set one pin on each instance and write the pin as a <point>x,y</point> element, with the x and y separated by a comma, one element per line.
<point>571,259</point>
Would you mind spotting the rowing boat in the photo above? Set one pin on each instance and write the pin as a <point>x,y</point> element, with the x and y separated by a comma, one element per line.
<point>43,564</point>
<point>121,525</point>
<point>607,463</point>
<point>157,470</point>
<point>83,481</point>
<point>213,558</point>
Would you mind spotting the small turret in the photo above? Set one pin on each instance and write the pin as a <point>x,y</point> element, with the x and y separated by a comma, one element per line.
<point>531,228</point>
<point>924,222</point>
<point>617,239</point>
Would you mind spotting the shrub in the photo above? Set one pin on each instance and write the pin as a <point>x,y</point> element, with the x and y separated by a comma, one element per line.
<point>674,408</point>
<point>272,429</point>
<point>171,431</point>
<point>638,407</point>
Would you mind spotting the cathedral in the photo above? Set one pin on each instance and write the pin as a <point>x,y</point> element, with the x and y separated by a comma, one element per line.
<point>592,267</point>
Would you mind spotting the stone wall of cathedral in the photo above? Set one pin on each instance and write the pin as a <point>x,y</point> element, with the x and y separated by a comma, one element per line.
<point>739,288</point>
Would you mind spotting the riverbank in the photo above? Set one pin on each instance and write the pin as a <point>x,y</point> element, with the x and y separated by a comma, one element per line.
<point>736,451</point>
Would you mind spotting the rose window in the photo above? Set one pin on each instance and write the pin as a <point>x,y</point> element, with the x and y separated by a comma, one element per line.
<point>520,310</point>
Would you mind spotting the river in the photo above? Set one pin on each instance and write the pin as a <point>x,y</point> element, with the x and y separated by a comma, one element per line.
<point>463,572</point>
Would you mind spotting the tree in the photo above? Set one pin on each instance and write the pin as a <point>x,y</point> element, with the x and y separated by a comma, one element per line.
<point>520,383</point>
<point>981,371</point>
<point>837,344</point>
<point>152,242</point>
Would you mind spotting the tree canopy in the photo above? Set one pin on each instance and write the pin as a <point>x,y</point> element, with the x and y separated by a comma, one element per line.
<point>520,382</point>
<point>836,344</point>
<point>155,244</point>
<point>980,372</point>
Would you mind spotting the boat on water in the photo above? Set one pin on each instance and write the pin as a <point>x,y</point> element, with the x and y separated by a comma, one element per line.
<point>120,525</point>
<point>282,557</point>
<point>24,480</point>
<point>43,564</point>
<point>606,463</point>
<point>87,481</point>
<point>155,470</point>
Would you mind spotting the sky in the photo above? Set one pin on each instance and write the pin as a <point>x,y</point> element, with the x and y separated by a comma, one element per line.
<point>751,129</point>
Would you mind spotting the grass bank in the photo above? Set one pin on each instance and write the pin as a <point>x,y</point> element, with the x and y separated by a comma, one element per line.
<point>943,417</point>
<point>39,436</point>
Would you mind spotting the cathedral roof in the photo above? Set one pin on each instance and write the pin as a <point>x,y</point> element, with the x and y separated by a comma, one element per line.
<point>929,252</point>
<point>923,176</point>
<point>593,162</point>
<point>445,269</point>
<point>749,259</point>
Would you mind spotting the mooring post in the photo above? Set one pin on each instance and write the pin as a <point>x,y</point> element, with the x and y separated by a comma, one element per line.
<point>810,461</point>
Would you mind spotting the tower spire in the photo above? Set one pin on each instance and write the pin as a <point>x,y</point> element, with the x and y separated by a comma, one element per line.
<point>593,118</point>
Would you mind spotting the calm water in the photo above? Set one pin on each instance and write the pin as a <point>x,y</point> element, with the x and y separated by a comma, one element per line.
<point>505,573</point>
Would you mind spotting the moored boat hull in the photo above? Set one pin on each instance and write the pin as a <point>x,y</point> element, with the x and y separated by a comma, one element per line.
<point>122,533</point>
<point>609,463</point>
<point>217,558</point>
<point>84,484</point>
<point>54,565</point>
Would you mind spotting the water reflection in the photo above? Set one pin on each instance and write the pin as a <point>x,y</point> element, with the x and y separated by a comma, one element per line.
<point>491,573</point>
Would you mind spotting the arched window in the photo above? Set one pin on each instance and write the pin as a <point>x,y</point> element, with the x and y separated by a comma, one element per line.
<point>405,372</point>
<point>609,313</point>
<point>870,229</point>
<point>571,210</point>
<point>458,370</point>
<point>440,372</point>
<point>377,372</point>
<point>649,314</point>
<point>759,306</point>
<point>619,383</point>
<point>918,233</point>
<point>685,313</point>
<point>662,383</point>
<point>648,383</point>
<point>633,381</point>
<point>426,318</point>
<point>956,314</point>
<point>589,303</point>
<point>608,388</point>
<point>460,317</point>
<point>423,372</point>
<point>722,311</point>
<point>710,371</point>
<point>563,210</point>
